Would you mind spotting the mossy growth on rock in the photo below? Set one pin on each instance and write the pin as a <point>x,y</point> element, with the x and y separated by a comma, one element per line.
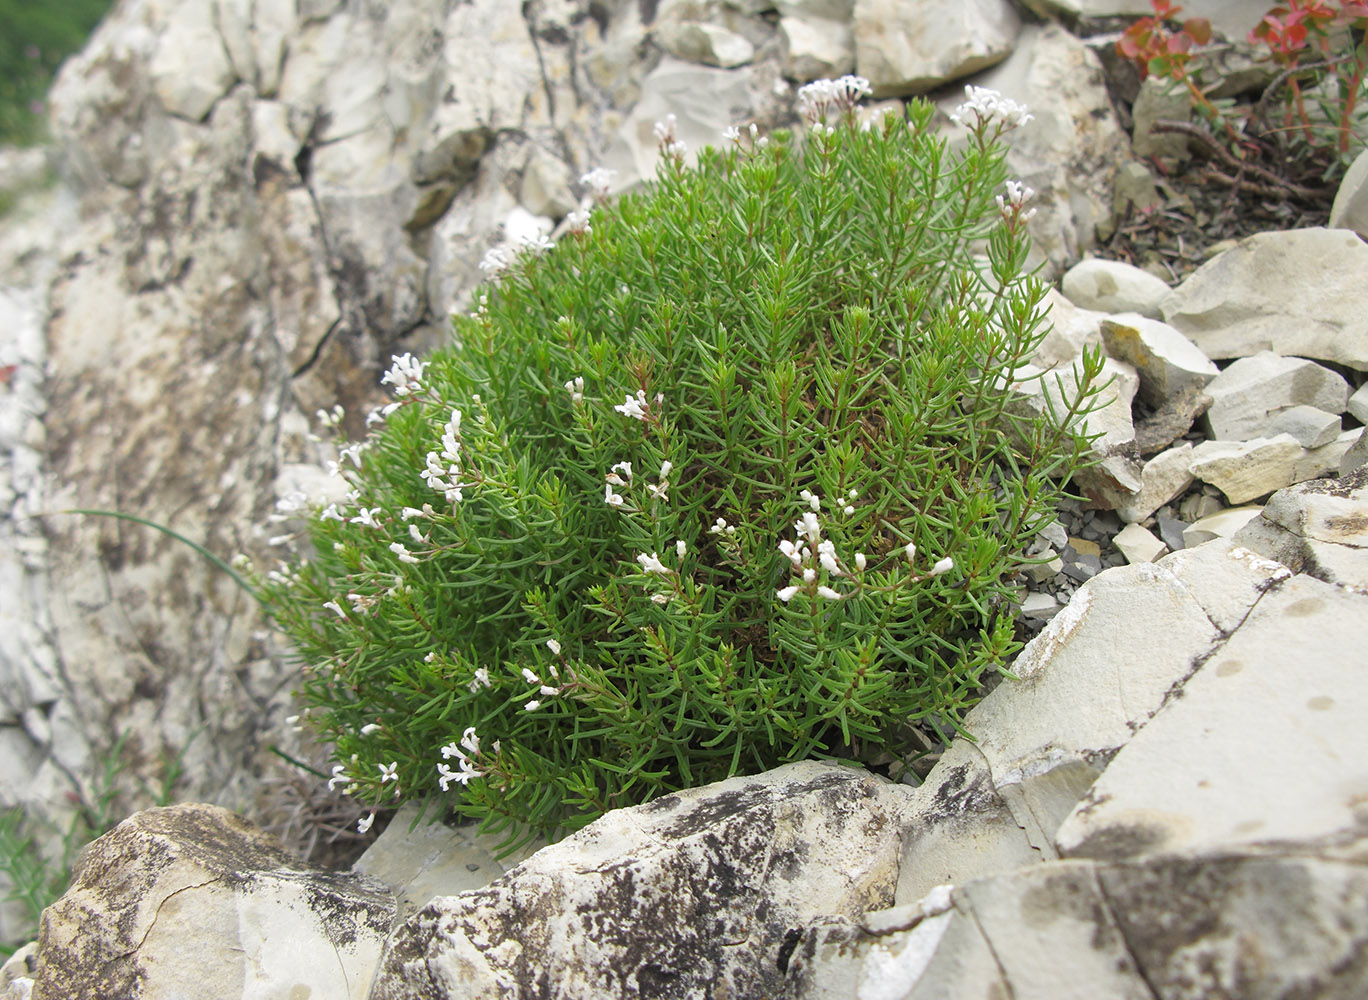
<point>726,478</point>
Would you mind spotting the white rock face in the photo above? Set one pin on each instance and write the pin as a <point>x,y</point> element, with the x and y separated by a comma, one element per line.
<point>1138,544</point>
<point>1252,389</point>
<point>1299,292</point>
<point>192,901</point>
<point>1113,286</point>
<point>906,48</point>
<point>1163,478</point>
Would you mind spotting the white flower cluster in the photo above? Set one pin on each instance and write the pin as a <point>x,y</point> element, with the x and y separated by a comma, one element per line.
<point>443,472</point>
<point>732,133</point>
<point>406,374</point>
<point>466,755</point>
<point>1011,206</point>
<point>545,690</point>
<point>811,555</point>
<point>599,181</point>
<point>818,98</point>
<point>988,105</point>
<point>667,137</point>
<point>576,389</point>
<point>639,407</point>
<point>621,475</point>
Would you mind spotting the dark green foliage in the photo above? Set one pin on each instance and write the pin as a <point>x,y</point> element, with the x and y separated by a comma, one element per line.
<point>808,326</point>
<point>35,36</point>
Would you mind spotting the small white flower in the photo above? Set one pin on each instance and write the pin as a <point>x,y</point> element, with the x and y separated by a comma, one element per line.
<point>847,510</point>
<point>826,555</point>
<point>636,408</point>
<point>944,566</point>
<point>576,389</point>
<point>828,594</point>
<point>598,181</point>
<point>418,537</point>
<point>408,513</point>
<point>660,598</point>
<point>496,261</point>
<point>532,706</point>
<point>786,594</point>
<point>353,452</point>
<point>680,548</point>
<point>578,221</point>
<point>809,575</point>
<point>406,374</point>
<point>401,550</point>
<point>910,551</point>
<point>334,607</point>
<point>860,561</point>
<point>554,646</point>
<point>470,741</point>
<point>363,825</point>
<point>666,467</point>
<point>431,657</point>
<point>367,517</point>
<point>652,564</point>
<point>623,467</point>
<point>389,772</point>
<point>331,513</point>
<point>530,677</point>
<point>985,105</point>
<point>731,134</point>
<point>368,729</point>
<point>719,526</point>
<point>611,498</point>
<point>480,680</point>
<point>338,777</point>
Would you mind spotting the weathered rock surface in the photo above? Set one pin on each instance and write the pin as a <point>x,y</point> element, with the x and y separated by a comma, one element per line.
<point>191,901</point>
<point>1253,389</point>
<point>1299,292</point>
<point>912,48</point>
<point>1166,361</point>
<point>1319,528</point>
<point>692,894</point>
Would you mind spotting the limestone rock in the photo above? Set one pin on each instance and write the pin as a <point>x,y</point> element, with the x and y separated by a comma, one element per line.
<point>1358,404</point>
<point>1356,457</point>
<point>1311,427</point>
<point>1250,390</point>
<point>1265,923</point>
<point>1293,721</point>
<point>1350,210</point>
<point>709,44</point>
<point>1041,740</point>
<point>1160,100</point>
<point>912,48</point>
<point>1112,286</point>
<point>1070,330</point>
<point>1232,18</point>
<point>1298,292</point>
<point>1246,470</point>
<point>692,893</point>
<point>1163,477</point>
<point>1117,473</point>
<point>815,49</point>
<point>1222,524</point>
<point>1138,544</point>
<point>1171,420</point>
<point>1166,361</point>
<point>1319,528</point>
<point>193,901</point>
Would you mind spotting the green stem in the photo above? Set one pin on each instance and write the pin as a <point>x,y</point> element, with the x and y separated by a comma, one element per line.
<point>178,537</point>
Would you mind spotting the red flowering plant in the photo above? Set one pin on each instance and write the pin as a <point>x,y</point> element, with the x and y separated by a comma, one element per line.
<point>1320,47</point>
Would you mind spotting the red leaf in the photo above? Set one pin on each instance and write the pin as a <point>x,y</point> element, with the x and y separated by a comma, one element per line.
<point>1198,29</point>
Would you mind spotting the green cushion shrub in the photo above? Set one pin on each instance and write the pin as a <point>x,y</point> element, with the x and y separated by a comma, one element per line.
<point>727,478</point>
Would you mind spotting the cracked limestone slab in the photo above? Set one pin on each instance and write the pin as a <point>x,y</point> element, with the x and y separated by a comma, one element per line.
<point>1319,527</point>
<point>192,901</point>
<point>1266,745</point>
<point>1086,684</point>
<point>1179,926</point>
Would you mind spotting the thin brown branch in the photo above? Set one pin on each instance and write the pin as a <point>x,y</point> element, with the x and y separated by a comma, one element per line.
<point>1272,183</point>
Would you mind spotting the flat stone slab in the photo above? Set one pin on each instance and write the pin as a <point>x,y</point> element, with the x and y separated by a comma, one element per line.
<point>1267,744</point>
